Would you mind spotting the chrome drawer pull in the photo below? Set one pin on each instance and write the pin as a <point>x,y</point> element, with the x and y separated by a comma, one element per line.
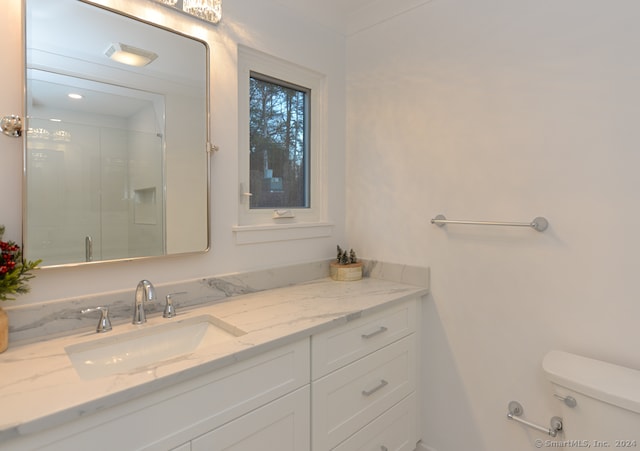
<point>375,389</point>
<point>373,334</point>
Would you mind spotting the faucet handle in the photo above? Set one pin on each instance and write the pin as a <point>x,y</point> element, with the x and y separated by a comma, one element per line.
<point>169,309</point>
<point>104,325</point>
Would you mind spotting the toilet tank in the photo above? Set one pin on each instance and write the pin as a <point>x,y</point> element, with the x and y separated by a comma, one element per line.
<point>607,409</point>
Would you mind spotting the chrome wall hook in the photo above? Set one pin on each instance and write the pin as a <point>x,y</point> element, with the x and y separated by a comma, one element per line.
<point>11,126</point>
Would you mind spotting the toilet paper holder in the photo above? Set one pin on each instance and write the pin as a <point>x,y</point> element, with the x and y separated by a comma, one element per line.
<point>516,410</point>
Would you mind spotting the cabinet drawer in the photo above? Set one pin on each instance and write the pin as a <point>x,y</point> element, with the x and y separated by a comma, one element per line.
<point>394,430</point>
<point>349,398</point>
<point>338,347</point>
<point>282,425</point>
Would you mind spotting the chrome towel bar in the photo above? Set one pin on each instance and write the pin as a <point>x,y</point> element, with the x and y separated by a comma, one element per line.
<point>539,224</point>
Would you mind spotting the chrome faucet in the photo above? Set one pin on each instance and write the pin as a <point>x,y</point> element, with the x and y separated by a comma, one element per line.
<point>144,293</point>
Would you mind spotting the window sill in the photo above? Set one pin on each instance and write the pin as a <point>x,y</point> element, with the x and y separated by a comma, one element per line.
<point>252,234</point>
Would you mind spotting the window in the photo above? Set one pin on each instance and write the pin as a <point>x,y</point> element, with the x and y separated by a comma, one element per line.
<point>278,144</point>
<point>282,155</point>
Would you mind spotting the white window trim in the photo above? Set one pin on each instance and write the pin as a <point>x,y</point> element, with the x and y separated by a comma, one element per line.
<point>285,232</point>
<point>255,222</point>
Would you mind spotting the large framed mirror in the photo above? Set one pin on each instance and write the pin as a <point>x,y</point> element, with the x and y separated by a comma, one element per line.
<point>117,137</point>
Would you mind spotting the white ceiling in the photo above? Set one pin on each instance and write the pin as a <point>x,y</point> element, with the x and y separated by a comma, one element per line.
<point>351,16</point>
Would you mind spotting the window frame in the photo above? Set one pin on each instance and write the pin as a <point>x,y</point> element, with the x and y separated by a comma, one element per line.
<point>251,61</point>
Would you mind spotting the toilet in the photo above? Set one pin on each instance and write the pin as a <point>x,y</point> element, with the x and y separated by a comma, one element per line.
<point>606,411</point>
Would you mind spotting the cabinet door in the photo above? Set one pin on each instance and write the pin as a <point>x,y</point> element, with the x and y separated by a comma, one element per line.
<point>282,425</point>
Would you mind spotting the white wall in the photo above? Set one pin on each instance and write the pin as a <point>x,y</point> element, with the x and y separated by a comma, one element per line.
<point>255,23</point>
<point>502,110</point>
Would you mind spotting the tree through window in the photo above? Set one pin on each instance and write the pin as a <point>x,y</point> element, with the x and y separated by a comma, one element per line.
<point>278,144</point>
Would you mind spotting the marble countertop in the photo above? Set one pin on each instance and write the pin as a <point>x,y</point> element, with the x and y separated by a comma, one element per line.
<point>41,389</point>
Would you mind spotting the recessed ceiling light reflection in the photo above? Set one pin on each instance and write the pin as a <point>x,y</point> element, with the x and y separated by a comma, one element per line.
<point>74,96</point>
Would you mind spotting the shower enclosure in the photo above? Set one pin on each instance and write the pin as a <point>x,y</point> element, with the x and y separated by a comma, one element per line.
<point>95,179</point>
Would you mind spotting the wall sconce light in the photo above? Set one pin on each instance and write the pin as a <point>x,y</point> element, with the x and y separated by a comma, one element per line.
<point>209,10</point>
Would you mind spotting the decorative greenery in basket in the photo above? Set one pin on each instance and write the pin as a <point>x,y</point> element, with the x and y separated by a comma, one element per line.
<point>14,271</point>
<point>346,266</point>
<point>346,258</point>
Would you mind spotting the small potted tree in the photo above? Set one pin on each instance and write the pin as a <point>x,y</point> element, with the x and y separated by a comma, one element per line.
<point>346,266</point>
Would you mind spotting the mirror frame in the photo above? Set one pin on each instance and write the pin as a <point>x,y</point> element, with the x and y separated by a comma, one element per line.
<point>209,147</point>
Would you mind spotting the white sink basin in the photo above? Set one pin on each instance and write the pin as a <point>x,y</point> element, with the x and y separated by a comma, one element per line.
<point>141,349</point>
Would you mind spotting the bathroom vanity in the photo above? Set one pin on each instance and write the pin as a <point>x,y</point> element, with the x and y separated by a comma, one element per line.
<point>314,366</point>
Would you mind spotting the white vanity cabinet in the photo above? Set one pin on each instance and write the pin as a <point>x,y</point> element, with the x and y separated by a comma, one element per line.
<point>346,388</point>
<point>363,390</point>
<point>229,399</point>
